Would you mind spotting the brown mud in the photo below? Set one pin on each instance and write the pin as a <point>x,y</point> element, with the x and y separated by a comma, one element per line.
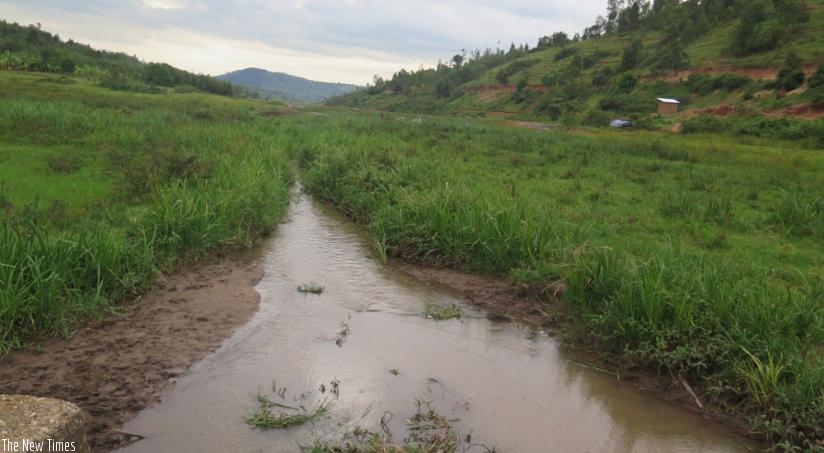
<point>501,299</point>
<point>116,367</point>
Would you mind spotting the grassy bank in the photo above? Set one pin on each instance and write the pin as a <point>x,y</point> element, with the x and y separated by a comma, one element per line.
<point>698,257</point>
<point>99,190</point>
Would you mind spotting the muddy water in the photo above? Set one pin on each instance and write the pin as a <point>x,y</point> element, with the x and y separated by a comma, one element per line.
<point>511,387</point>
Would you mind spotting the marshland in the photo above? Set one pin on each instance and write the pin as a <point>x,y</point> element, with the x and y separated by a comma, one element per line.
<point>462,257</point>
<point>692,259</point>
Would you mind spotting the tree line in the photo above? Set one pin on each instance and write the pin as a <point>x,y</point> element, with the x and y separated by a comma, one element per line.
<point>29,48</point>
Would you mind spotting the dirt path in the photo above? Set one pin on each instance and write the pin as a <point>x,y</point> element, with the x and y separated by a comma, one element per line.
<point>118,366</point>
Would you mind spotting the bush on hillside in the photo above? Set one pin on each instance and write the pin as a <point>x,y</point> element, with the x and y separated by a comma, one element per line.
<point>791,74</point>
<point>705,84</point>
<point>627,103</point>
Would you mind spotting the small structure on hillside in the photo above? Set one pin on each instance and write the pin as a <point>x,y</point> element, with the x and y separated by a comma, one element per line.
<point>667,106</point>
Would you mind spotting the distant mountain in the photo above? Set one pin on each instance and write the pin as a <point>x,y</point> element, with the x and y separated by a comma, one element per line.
<point>286,87</point>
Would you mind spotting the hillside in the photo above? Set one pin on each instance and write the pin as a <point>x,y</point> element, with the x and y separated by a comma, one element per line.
<point>759,56</point>
<point>29,48</point>
<point>285,87</point>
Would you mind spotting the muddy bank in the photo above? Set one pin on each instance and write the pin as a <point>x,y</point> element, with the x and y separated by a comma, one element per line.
<point>502,300</point>
<point>120,365</point>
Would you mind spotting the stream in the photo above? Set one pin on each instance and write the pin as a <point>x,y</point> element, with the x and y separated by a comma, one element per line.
<point>366,341</point>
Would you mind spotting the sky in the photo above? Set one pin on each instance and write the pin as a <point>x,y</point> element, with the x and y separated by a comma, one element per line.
<point>346,41</point>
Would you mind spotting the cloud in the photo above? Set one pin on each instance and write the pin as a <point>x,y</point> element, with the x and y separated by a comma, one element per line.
<point>163,4</point>
<point>351,39</point>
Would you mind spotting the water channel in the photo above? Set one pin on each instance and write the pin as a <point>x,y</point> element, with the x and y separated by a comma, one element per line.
<point>512,387</point>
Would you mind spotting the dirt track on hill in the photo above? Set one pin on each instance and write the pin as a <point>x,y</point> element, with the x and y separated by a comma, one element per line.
<point>118,366</point>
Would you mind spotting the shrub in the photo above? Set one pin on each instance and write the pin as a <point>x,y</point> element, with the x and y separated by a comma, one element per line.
<point>503,75</point>
<point>627,103</point>
<point>705,84</point>
<point>565,52</point>
<point>626,83</point>
<point>791,74</point>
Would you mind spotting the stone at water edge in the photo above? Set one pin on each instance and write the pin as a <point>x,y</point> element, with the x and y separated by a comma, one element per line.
<point>40,419</point>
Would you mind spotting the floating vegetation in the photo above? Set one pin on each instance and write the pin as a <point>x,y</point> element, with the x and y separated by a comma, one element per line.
<point>266,418</point>
<point>394,371</point>
<point>442,313</point>
<point>311,288</point>
<point>272,414</point>
<point>428,432</point>
<point>343,333</point>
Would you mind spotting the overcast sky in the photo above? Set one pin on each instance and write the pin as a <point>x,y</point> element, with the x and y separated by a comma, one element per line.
<point>328,40</point>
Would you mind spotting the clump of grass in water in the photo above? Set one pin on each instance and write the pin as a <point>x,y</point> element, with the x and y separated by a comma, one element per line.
<point>265,416</point>
<point>311,288</point>
<point>428,432</point>
<point>442,313</point>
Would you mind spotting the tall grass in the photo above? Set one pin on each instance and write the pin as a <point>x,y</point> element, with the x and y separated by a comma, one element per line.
<point>744,328</point>
<point>49,282</point>
<point>187,174</point>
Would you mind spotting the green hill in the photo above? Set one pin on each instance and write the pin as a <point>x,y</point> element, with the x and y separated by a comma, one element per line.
<point>285,87</point>
<point>29,48</point>
<point>737,56</point>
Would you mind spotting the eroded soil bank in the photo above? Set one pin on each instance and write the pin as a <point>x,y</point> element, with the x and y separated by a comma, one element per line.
<point>122,364</point>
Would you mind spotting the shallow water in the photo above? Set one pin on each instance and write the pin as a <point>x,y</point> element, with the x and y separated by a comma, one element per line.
<point>511,387</point>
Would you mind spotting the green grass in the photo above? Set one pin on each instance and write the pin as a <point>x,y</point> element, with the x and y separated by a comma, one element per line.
<point>693,255</point>
<point>442,313</point>
<point>265,418</point>
<point>311,288</point>
<point>100,190</point>
<point>428,432</point>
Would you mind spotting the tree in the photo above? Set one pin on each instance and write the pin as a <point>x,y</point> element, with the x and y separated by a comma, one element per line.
<point>791,12</point>
<point>626,83</point>
<point>614,8</point>
<point>67,66</point>
<point>816,87</point>
<point>443,90</point>
<point>560,38</point>
<point>670,54</point>
<point>458,60</point>
<point>630,18</point>
<point>791,74</point>
<point>753,34</point>
<point>632,55</point>
<point>502,77</point>
<point>817,80</point>
<point>160,74</point>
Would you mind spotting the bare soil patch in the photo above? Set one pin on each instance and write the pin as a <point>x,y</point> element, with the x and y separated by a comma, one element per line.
<point>806,111</point>
<point>120,365</point>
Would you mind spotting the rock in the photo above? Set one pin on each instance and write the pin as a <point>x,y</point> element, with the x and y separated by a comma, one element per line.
<point>58,425</point>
